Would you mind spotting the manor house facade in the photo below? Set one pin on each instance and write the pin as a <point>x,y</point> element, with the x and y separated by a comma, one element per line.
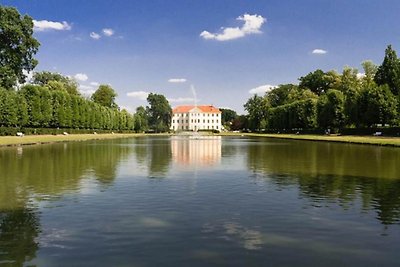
<point>194,118</point>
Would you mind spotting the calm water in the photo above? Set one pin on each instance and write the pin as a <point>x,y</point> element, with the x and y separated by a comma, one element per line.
<point>210,202</point>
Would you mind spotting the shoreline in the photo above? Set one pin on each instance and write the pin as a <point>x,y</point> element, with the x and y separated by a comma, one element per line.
<point>348,139</point>
<point>9,141</point>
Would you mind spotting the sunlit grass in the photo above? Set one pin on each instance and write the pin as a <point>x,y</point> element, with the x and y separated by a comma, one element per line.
<point>371,140</point>
<point>42,139</point>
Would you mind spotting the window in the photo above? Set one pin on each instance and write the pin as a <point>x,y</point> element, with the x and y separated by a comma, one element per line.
<point>208,121</point>
<point>212,121</point>
<point>173,121</point>
<point>187,121</point>
<point>199,120</point>
<point>217,121</point>
<point>217,126</point>
<point>204,121</point>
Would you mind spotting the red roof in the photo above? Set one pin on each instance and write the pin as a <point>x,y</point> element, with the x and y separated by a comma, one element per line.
<point>206,109</point>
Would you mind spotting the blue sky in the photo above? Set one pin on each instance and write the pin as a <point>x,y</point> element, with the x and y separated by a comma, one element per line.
<point>223,48</point>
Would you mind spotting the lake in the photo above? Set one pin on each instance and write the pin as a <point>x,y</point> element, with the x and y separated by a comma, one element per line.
<point>215,201</point>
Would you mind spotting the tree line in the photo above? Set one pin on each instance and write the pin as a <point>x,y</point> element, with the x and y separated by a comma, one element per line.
<point>330,100</point>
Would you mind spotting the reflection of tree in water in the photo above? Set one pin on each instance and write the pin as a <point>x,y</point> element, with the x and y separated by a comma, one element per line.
<point>52,169</point>
<point>18,230</point>
<point>324,171</point>
<point>160,156</point>
<point>153,153</point>
<point>45,170</point>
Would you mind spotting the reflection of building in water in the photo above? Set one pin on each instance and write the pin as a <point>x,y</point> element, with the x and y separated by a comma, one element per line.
<point>202,151</point>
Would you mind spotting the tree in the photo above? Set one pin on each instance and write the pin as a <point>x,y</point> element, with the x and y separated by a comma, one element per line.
<point>257,107</point>
<point>159,112</point>
<point>389,71</point>
<point>370,70</point>
<point>349,80</point>
<point>105,96</point>
<point>377,105</point>
<point>298,94</point>
<point>315,81</point>
<point>17,47</point>
<point>330,109</point>
<point>141,120</point>
<point>227,115</point>
<point>56,81</point>
<point>279,95</point>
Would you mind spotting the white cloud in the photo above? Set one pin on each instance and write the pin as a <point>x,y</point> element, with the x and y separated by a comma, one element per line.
<point>108,32</point>
<point>46,25</point>
<point>252,25</point>
<point>177,80</point>
<point>86,90</point>
<point>138,94</point>
<point>81,77</point>
<point>319,51</point>
<point>94,84</point>
<point>95,36</point>
<point>262,89</point>
<point>182,100</point>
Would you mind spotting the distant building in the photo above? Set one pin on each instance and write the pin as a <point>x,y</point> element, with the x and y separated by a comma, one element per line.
<point>195,118</point>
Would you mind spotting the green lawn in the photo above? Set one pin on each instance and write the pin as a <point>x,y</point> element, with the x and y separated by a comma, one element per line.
<point>42,139</point>
<point>370,140</point>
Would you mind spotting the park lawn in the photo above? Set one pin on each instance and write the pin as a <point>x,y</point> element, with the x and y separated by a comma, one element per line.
<point>43,139</point>
<point>370,140</point>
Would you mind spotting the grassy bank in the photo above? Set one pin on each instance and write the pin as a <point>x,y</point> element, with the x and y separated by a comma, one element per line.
<point>44,139</point>
<point>369,140</point>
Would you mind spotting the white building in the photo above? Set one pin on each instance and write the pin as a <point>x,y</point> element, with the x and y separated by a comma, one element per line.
<point>195,118</point>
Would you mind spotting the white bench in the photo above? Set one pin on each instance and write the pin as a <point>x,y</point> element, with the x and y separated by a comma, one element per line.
<point>377,134</point>
<point>20,134</point>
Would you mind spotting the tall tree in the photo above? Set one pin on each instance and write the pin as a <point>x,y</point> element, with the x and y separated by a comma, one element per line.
<point>141,120</point>
<point>257,107</point>
<point>389,71</point>
<point>377,105</point>
<point>159,112</point>
<point>17,47</point>
<point>105,96</point>
<point>330,109</point>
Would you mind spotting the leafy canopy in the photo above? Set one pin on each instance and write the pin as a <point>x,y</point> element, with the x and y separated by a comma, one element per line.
<point>17,47</point>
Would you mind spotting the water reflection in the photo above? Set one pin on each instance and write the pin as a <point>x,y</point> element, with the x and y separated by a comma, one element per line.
<point>19,229</point>
<point>53,169</point>
<point>325,171</point>
<point>203,151</point>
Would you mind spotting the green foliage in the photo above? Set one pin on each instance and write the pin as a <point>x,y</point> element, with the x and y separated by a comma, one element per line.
<point>17,47</point>
<point>377,105</point>
<point>105,96</point>
<point>56,81</point>
<point>257,108</point>
<point>318,82</point>
<point>227,116</point>
<point>330,110</point>
<point>279,95</point>
<point>159,113</point>
<point>299,114</point>
<point>389,71</point>
<point>141,120</point>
